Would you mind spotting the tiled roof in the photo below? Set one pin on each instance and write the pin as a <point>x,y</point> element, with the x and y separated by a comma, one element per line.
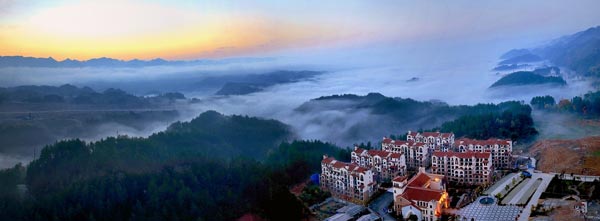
<point>380,153</point>
<point>328,160</point>
<point>446,135</point>
<point>418,190</point>
<point>419,180</point>
<point>359,150</point>
<point>399,178</point>
<point>422,194</point>
<point>405,202</point>
<point>396,155</point>
<point>339,165</point>
<point>491,141</point>
<point>418,144</point>
<point>431,134</point>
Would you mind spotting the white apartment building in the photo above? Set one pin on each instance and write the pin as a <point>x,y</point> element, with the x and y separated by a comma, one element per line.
<point>385,164</point>
<point>500,150</point>
<point>347,181</point>
<point>469,168</point>
<point>417,154</point>
<point>433,140</point>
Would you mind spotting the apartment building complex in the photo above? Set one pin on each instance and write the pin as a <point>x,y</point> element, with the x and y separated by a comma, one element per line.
<point>347,181</point>
<point>469,168</point>
<point>384,164</point>
<point>500,150</point>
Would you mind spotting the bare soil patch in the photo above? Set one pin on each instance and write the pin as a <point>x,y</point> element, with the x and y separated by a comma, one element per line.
<point>579,156</point>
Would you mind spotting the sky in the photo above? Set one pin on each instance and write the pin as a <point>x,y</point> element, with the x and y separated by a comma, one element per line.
<point>128,29</point>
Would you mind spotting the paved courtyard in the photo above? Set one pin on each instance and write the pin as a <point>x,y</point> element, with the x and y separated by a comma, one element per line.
<point>532,187</point>
<point>493,211</point>
<point>500,184</point>
<point>546,178</point>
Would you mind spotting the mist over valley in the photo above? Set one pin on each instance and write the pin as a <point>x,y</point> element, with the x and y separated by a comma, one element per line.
<point>299,110</point>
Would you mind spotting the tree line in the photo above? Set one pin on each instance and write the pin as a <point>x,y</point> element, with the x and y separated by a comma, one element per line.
<point>214,167</point>
<point>587,105</point>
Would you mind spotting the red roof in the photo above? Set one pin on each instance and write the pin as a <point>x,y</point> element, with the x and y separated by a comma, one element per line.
<point>387,140</point>
<point>431,134</point>
<point>400,142</point>
<point>412,133</point>
<point>418,144</point>
<point>410,143</point>
<point>422,194</point>
<point>396,155</point>
<point>380,153</point>
<point>359,150</point>
<point>354,167</point>
<point>416,190</point>
<point>399,178</point>
<point>328,160</point>
<point>446,135</point>
<point>405,202</point>
<point>339,165</point>
<point>468,154</point>
<point>491,141</point>
<point>419,180</point>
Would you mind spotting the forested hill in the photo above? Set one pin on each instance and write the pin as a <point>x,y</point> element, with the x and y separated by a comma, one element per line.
<point>376,115</point>
<point>67,95</point>
<point>214,167</point>
<point>521,78</point>
<point>510,120</point>
<point>248,84</point>
<point>587,105</point>
<point>579,52</point>
<point>210,135</point>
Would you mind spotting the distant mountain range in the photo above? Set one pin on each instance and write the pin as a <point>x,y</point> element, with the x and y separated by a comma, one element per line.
<point>69,95</point>
<point>20,61</point>
<point>579,52</point>
<point>526,58</point>
<point>528,78</point>
<point>510,67</point>
<point>257,82</point>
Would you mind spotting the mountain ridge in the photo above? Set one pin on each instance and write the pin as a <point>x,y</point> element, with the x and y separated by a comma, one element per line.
<point>23,61</point>
<point>528,78</point>
<point>579,52</point>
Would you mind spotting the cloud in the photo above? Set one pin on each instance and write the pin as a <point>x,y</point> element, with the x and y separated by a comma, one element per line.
<point>454,72</point>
